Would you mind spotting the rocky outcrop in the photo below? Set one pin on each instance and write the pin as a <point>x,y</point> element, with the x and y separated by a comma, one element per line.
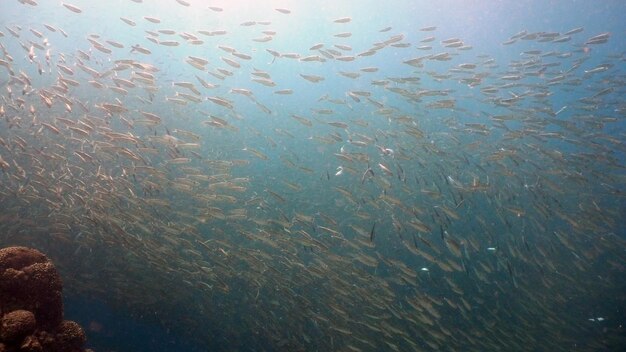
<point>31,305</point>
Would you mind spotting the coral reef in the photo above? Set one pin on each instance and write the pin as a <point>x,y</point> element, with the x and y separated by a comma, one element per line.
<point>31,305</point>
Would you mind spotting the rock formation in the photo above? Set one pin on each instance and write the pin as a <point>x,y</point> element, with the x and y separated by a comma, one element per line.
<point>31,305</point>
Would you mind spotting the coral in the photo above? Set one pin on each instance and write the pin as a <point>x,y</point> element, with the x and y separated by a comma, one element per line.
<point>16,325</point>
<point>71,334</point>
<point>31,305</point>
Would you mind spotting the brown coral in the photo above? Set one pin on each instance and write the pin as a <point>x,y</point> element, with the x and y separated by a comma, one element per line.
<point>16,324</point>
<point>70,334</point>
<point>31,306</point>
<point>29,281</point>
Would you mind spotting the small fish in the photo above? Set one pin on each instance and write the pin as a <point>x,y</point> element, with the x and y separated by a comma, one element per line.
<point>138,48</point>
<point>72,8</point>
<point>128,21</point>
<point>367,174</point>
<point>343,20</point>
<point>312,78</point>
<point>152,19</point>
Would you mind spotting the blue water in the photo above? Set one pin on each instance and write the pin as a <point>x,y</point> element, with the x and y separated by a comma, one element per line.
<point>531,211</point>
<point>111,329</point>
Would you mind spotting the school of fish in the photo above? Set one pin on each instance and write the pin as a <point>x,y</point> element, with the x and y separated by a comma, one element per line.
<point>441,202</point>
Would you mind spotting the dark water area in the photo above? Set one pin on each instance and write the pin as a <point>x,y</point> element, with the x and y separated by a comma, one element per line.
<point>115,330</point>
